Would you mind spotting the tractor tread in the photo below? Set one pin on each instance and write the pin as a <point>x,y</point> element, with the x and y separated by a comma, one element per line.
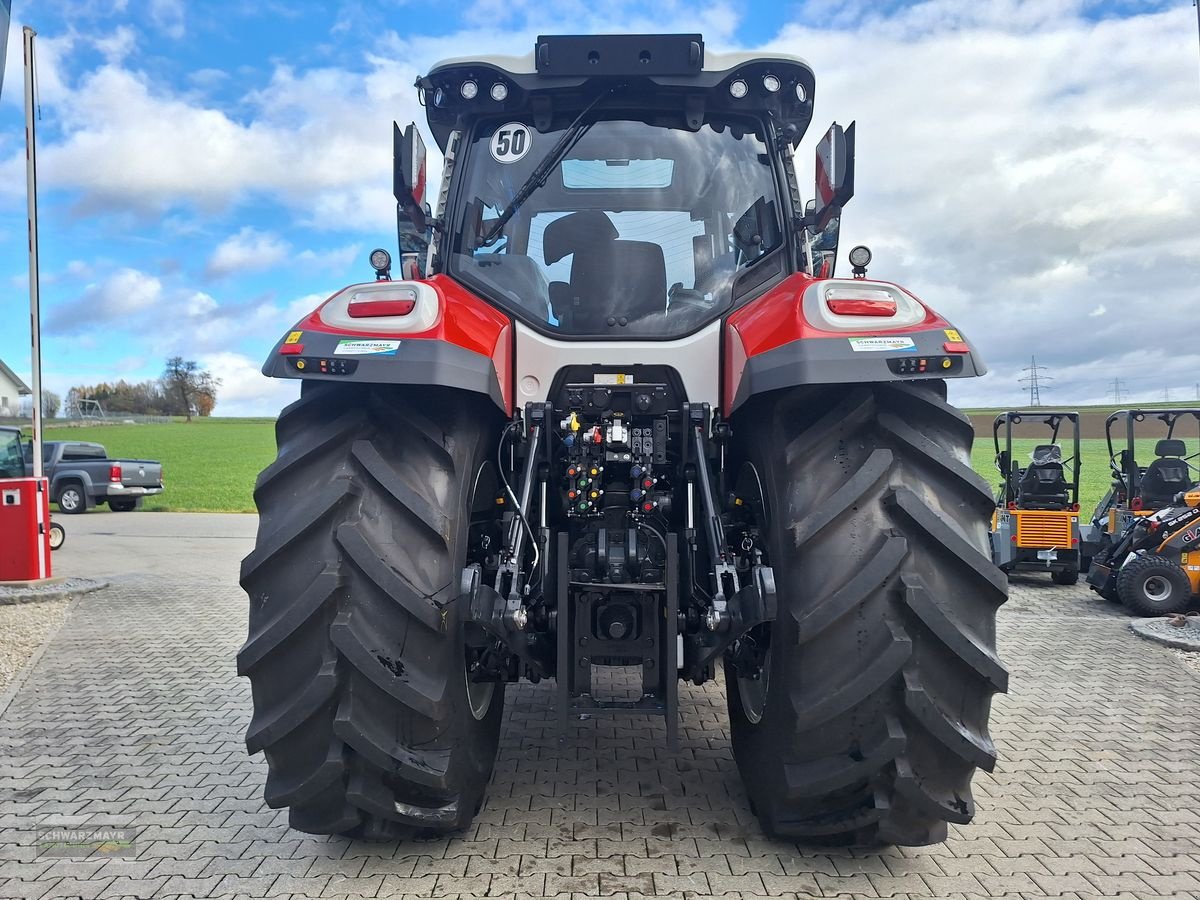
<point>351,661</point>
<point>879,558</point>
<point>850,596</point>
<point>953,633</point>
<point>871,473</point>
<point>286,623</point>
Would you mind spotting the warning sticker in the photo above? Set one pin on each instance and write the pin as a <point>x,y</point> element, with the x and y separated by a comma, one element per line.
<point>953,335</point>
<point>510,142</point>
<point>611,378</point>
<point>295,337</point>
<point>870,344</point>
<point>366,348</point>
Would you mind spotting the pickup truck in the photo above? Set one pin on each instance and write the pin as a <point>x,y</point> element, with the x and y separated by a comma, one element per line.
<point>82,476</point>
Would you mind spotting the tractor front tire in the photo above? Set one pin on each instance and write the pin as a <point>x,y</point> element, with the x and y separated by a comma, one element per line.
<point>356,657</point>
<point>881,662</point>
<point>1152,586</point>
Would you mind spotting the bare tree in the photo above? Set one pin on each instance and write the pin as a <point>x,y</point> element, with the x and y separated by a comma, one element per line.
<point>190,389</point>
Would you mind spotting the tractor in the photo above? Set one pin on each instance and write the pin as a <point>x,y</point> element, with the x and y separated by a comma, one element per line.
<point>1138,490</point>
<point>1035,527</point>
<point>616,420</point>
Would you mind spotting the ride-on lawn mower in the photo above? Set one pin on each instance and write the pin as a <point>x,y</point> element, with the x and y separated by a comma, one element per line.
<point>1154,565</point>
<point>618,412</point>
<point>1137,490</point>
<point>1035,527</point>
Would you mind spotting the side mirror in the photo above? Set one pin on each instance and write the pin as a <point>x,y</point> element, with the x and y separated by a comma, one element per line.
<point>1003,462</point>
<point>408,187</point>
<point>834,177</point>
<point>408,173</point>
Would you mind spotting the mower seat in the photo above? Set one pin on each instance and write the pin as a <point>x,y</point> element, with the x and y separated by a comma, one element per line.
<point>1043,484</point>
<point>1166,476</point>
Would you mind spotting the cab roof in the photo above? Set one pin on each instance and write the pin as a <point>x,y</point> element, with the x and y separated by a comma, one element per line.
<point>646,72</point>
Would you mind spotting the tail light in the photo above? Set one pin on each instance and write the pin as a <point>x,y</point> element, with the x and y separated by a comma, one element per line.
<point>844,301</point>
<point>396,302</point>
<point>114,473</point>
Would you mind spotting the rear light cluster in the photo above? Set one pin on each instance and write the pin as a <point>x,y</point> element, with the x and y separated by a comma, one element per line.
<point>399,301</point>
<point>847,301</point>
<point>114,473</point>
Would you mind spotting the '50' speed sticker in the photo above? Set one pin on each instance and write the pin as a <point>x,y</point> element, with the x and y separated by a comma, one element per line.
<point>511,142</point>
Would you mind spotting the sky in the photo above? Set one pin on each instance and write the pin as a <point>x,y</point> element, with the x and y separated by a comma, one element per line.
<point>209,172</point>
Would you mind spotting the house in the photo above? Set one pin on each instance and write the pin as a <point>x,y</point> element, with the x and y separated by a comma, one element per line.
<point>12,389</point>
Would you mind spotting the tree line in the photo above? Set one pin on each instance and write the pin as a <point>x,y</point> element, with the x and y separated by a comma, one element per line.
<point>184,389</point>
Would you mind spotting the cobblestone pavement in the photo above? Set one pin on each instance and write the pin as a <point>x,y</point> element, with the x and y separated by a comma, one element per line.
<point>134,717</point>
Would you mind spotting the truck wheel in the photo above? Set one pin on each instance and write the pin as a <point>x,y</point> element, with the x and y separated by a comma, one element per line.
<point>1065,576</point>
<point>122,505</point>
<point>71,499</point>
<point>356,658</point>
<point>871,714</point>
<point>1152,586</point>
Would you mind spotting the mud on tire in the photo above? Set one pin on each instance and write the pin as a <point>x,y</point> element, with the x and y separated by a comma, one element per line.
<point>355,653</point>
<point>882,659</point>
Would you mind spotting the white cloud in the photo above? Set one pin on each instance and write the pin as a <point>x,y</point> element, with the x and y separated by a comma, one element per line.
<point>244,390</point>
<point>249,250</point>
<point>1098,311</point>
<point>123,298</point>
<point>335,259</point>
<point>168,16</point>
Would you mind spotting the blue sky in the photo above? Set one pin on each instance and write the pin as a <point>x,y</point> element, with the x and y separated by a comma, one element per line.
<point>212,170</point>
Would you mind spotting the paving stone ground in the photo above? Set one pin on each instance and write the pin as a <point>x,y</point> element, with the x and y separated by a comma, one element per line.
<point>134,717</point>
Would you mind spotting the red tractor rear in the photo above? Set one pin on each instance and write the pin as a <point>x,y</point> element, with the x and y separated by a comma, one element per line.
<point>618,412</point>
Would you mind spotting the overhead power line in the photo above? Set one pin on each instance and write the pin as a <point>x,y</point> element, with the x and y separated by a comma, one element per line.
<point>1035,381</point>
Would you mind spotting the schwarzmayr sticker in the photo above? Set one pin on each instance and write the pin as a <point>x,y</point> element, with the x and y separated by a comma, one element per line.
<point>366,348</point>
<point>869,344</point>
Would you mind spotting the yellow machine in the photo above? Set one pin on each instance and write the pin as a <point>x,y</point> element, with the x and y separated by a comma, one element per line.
<point>1035,527</point>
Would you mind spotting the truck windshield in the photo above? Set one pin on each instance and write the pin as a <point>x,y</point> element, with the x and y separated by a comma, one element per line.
<point>12,463</point>
<point>639,231</point>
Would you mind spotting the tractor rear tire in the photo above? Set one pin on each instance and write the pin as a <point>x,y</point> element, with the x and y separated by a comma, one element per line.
<point>881,663</point>
<point>356,658</point>
<point>1153,586</point>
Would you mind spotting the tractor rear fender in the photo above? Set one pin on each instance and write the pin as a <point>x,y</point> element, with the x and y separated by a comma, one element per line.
<point>431,332</point>
<point>838,331</point>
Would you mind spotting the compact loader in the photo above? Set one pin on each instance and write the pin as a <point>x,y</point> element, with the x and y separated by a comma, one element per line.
<point>1140,490</point>
<point>617,410</point>
<point>1035,527</point>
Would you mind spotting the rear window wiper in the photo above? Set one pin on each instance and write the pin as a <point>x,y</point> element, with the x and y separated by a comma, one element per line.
<point>542,170</point>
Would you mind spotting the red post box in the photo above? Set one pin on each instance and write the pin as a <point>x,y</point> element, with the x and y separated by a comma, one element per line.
<point>24,529</point>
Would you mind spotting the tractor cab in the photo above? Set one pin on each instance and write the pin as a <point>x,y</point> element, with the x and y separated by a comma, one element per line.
<point>1140,489</point>
<point>1036,523</point>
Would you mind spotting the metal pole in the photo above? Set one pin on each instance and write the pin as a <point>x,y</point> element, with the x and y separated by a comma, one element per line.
<point>35,313</point>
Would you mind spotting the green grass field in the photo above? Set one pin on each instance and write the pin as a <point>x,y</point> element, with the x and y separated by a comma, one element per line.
<point>211,464</point>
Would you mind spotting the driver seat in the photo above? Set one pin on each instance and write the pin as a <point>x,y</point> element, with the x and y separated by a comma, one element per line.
<point>610,278</point>
<point>1043,484</point>
<point>1166,476</point>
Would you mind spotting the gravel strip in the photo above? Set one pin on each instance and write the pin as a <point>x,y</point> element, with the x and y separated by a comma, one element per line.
<point>39,593</point>
<point>23,628</point>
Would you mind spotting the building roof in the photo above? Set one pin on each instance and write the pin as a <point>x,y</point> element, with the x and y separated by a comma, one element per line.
<point>22,387</point>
